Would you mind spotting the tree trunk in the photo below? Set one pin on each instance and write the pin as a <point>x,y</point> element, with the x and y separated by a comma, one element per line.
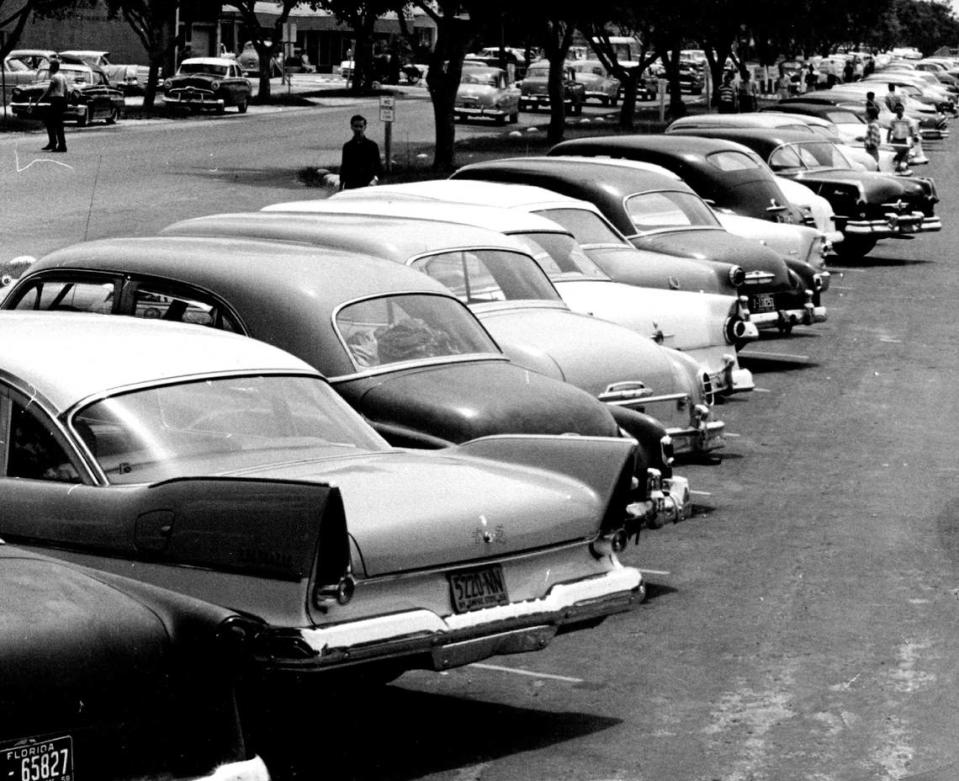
<point>630,83</point>
<point>150,93</point>
<point>557,106</point>
<point>442,80</point>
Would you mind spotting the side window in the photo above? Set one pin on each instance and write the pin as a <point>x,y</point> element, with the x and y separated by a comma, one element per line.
<point>32,450</point>
<point>465,274</point>
<point>182,307</point>
<point>69,296</point>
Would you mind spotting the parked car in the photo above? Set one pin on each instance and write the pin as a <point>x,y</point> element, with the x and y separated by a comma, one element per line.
<point>665,215</point>
<point>208,83</point>
<point>505,288</point>
<point>813,126</point>
<point>230,471</point>
<point>534,89</point>
<point>415,393</point>
<point>104,677</point>
<point>129,79</point>
<point>249,61</point>
<point>596,235</point>
<point>703,326</point>
<point>34,59</point>
<point>869,205</point>
<point>90,96</point>
<point>16,73</point>
<point>597,83</point>
<point>486,92</point>
<point>933,125</point>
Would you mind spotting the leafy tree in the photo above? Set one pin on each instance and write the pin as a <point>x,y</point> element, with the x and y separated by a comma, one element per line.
<point>266,42</point>
<point>629,73</point>
<point>153,23</point>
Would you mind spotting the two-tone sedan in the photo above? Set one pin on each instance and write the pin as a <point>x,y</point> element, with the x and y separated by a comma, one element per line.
<point>485,92</point>
<point>399,348</point>
<point>214,83</point>
<point>90,96</point>
<point>869,205</point>
<point>500,281</point>
<point>227,470</point>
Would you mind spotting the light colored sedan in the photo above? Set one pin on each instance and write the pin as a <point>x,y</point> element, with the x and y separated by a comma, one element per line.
<point>228,470</point>
<point>486,93</point>
<point>705,326</point>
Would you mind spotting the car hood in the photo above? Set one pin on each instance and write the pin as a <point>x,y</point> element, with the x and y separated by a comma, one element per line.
<point>687,321</point>
<point>584,351</point>
<point>719,245</point>
<point>460,402</point>
<point>69,640</point>
<point>409,510</point>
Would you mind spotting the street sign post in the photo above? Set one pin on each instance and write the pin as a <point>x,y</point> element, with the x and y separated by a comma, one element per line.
<point>387,115</point>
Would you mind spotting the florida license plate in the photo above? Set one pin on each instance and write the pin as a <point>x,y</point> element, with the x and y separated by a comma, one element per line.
<point>762,302</point>
<point>38,759</point>
<point>479,588</point>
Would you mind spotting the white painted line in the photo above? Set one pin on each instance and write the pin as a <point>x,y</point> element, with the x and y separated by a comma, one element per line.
<point>701,493</point>
<point>654,571</point>
<point>730,434</point>
<point>530,673</point>
<point>775,356</point>
<point>761,390</point>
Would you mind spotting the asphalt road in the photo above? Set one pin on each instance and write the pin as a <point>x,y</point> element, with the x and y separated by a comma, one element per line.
<point>801,625</point>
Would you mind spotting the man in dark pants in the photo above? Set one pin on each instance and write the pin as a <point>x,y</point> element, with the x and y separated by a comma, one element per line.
<point>56,94</point>
<point>361,164</point>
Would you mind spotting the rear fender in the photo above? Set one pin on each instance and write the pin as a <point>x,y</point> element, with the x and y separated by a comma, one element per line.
<point>605,464</point>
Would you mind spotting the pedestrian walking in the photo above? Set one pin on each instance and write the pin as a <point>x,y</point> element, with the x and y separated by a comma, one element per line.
<point>811,79</point>
<point>892,99</point>
<point>360,165</point>
<point>56,95</point>
<point>900,136</point>
<point>726,96</point>
<point>871,102</point>
<point>873,132</point>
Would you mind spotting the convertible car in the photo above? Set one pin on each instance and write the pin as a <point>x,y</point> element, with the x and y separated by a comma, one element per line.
<point>663,214</point>
<point>228,470</point>
<point>869,205</point>
<point>208,83</point>
<point>91,96</point>
<point>395,344</point>
<point>704,326</point>
<point>511,295</point>
<point>107,678</point>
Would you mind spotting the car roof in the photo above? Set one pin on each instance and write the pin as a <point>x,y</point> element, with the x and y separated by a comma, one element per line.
<point>208,61</point>
<point>765,119</point>
<point>500,193</point>
<point>85,52</point>
<point>381,237</point>
<point>391,204</point>
<point>754,137</point>
<point>581,172</point>
<point>689,148</point>
<point>69,357</point>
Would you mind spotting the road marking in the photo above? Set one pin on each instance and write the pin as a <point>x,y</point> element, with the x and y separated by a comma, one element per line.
<point>701,493</point>
<point>654,571</point>
<point>16,157</point>
<point>530,673</point>
<point>775,356</point>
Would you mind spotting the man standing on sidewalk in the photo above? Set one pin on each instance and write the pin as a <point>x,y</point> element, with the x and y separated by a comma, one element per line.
<point>360,165</point>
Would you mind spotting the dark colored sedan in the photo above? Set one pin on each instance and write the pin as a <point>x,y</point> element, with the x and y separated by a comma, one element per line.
<point>726,174</point>
<point>661,214</point>
<point>91,96</point>
<point>208,83</point>
<point>107,678</point>
<point>869,205</point>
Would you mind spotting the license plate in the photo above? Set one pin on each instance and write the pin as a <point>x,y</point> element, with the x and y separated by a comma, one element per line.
<point>38,759</point>
<point>476,589</point>
<point>762,302</point>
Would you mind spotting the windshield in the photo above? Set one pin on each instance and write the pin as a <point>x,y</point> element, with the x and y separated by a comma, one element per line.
<point>219,426</point>
<point>586,226</point>
<point>559,255</point>
<point>668,209</point>
<point>808,156</point>
<point>844,118</point>
<point>538,72</point>
<point>477,76</point>
<point>393,329</point>
<point>200,67</point>
<point>481,276</point>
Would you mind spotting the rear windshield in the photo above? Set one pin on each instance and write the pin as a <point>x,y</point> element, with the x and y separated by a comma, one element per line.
<point>668,209</point>
<point>732,161</point>
<point>586,226</point>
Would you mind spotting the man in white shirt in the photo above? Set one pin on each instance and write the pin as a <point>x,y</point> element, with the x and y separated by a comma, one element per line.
<point>56,94</point>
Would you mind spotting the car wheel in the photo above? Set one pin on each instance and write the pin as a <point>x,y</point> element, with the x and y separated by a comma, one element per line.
<point>221,109</point>
<point>514,117</point>
<point>577,109</point>
<point>502,120</point>
<point>114,115</point>
<point>84,118</point>
<point>614,100</point>
<point>241,106</point>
